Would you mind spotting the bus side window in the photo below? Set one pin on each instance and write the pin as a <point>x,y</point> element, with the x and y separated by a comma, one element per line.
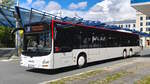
<point>84,39</point>
<point>95,40</point>
<point>64,40</point>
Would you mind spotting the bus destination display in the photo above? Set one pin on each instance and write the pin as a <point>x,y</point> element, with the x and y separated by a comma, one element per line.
<point>37,28</point>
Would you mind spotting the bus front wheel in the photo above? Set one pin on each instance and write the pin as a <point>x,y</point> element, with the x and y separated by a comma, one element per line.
<point>81,62</point>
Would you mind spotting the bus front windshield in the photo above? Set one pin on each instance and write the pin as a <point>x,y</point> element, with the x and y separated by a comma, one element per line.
<point>37,43</point>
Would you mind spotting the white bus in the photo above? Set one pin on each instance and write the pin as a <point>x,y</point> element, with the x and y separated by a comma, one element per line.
<point>61,44</point>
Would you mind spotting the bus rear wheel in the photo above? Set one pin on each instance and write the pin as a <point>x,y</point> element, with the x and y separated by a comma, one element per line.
<point>124,54</point>
<point>81,62</point>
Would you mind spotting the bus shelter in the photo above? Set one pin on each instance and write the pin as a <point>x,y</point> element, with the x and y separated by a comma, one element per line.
<point>7,17</point>
<point>18,17</point>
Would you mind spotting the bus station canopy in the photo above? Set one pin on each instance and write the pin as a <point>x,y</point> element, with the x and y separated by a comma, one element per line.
<point>32,16</point>
<point>142,6</point>
<point>9,16</point>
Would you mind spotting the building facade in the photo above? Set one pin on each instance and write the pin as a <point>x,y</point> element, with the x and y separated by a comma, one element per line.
<point>131,24</point>
<point>143,22</point>
<point>142,18</point>
<point>143,25</point>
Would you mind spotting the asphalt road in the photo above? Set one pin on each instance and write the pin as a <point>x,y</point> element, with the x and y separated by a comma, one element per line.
<point>12,73</point>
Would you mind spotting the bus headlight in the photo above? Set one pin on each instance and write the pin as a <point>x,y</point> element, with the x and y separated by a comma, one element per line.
<point>45,62</point>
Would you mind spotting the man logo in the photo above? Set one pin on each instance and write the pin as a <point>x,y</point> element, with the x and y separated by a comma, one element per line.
<point>28,29</point>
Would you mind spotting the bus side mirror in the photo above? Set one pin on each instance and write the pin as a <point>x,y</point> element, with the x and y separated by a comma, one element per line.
<point>16,29</point>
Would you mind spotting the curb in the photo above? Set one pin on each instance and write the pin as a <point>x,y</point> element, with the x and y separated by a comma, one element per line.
<point>67,76</point>
<point>12,58</point>
<point>8,60</point>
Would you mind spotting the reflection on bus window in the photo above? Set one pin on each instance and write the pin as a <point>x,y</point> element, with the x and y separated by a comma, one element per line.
<point>37,43</point>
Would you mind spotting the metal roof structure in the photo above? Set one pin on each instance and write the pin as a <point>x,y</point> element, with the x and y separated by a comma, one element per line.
<point>9,16</point>
<point>141,6</point>
<point>32,16</point>
<point>139,1</point>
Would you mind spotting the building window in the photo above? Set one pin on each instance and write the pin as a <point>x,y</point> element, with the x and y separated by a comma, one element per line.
<point>141,24</point>
<point>148,42</point>
<point>126,26</point>
<point>129,26</point>
<point>133,25</point>
<point>148,18</point>
<point>148,29</point>
<point>122,26</point>
<point>147,23</point>
<point>141,18</point>
<point>141,29</point>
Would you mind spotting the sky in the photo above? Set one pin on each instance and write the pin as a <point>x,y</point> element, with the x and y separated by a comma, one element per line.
<point>98,10</point>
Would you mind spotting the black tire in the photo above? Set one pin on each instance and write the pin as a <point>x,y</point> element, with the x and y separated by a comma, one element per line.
<point>124,54</point>
<point>81,61</point>
<point>130,53</point>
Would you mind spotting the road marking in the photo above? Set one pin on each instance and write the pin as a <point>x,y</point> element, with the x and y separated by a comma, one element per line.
<point>8,60</point>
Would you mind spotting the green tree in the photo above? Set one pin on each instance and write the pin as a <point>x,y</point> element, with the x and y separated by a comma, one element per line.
<point>6,39</point>
<point>8,3</point>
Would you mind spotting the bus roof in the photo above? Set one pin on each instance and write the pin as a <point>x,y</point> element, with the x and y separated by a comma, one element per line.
<point>101,28</point>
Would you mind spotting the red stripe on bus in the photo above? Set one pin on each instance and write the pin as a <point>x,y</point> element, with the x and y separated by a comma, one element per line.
<point>52,28</point>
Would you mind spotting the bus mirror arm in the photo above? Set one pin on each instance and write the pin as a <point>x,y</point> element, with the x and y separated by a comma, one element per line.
<point>16,29</point>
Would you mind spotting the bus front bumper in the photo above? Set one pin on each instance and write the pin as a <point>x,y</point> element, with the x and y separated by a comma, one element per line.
<point>36,62</point>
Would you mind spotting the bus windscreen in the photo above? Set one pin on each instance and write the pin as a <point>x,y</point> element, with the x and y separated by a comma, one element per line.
<point>37,42</point>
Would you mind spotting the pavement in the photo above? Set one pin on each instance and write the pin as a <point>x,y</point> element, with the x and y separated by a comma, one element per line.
<point>145,51</point>
<point>12,73</point>
<point>127,72</point>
